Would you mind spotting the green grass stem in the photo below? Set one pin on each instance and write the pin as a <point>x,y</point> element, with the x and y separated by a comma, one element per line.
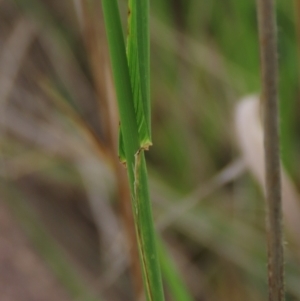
<point>130,109</point>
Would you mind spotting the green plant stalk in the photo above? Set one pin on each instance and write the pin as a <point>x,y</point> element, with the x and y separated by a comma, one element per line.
<point>136,165</point>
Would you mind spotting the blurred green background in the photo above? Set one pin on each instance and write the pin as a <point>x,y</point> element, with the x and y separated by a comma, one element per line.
<point>62,234</point>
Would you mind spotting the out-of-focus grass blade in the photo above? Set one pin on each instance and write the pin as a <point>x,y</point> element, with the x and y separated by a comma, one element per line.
<point>176,286</point>
<point>45,244</point>
<point>40,12</point>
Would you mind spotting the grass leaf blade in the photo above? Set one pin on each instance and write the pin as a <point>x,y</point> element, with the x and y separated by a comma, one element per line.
<point>138,61</point>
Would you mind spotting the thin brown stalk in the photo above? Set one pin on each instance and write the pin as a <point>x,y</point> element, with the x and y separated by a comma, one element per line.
<point>94,38</point>
<point>250,139</point>
<point>269,74</point>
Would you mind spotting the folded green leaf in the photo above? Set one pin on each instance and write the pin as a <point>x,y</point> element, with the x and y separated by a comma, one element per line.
<point>139,68</point>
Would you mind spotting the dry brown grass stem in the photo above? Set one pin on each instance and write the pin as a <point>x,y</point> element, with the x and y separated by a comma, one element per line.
<point>232,171</point>
<point>250,139</point>
<point>269,74</point>
<point>95,43</point>
<point>84,128</point>
<point>12,56</point>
